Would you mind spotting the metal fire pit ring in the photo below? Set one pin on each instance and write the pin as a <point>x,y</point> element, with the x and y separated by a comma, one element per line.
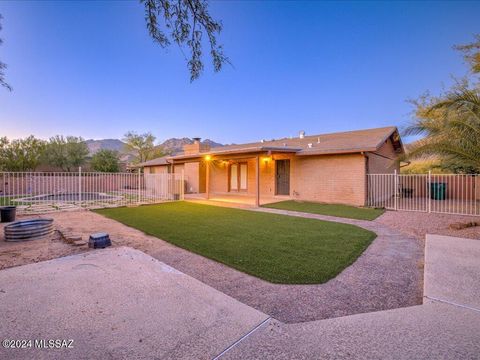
<point>28,229</point>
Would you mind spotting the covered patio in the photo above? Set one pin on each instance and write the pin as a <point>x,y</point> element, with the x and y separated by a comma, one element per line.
<point>233,199</point>
<point>251,177</point>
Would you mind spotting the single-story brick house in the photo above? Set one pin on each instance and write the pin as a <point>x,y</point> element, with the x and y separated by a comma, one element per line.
<point>329,168</point>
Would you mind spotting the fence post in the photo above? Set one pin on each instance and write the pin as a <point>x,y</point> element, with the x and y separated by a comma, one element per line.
<point>138,185</point>
<point>395,191</point>
<point>80,186</point>
<point>429,190</point>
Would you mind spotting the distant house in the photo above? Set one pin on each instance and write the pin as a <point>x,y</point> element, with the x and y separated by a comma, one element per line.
<point>329,168</point>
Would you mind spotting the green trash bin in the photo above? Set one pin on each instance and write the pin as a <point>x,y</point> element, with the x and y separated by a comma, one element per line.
<point>438,190</point>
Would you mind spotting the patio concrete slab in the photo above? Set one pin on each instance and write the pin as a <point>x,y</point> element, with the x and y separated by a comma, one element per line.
<point>433,331</point>
<point>452,270</point>
<point>117,304</point>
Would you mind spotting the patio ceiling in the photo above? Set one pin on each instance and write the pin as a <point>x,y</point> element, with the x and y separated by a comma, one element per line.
<point>254,150</point>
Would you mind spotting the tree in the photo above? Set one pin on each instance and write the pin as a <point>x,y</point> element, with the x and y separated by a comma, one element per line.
<point>185,22</point>
<point>105,160</point>
<point>66,153</point>
<point>471,53</point>
<point>3,66</point>
<point>20,154</point>
<point>143,145</point>
<point>451,125</point>
<point>451,121</point>
<point>188,22</point>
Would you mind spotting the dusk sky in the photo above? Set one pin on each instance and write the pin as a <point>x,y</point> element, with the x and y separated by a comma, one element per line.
<point>90,69</point>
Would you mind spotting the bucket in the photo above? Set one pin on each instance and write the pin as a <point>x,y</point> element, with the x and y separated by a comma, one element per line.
<point>8,213</point>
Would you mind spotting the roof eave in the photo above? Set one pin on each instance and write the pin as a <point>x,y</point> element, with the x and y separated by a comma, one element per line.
<point>237,151</point>
<point>394,130</point>
<point>308,152</point>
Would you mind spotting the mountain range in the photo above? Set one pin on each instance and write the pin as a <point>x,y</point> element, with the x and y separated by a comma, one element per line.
<point>171,146</point>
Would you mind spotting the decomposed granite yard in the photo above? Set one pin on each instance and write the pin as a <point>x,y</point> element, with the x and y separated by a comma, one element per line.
<point>388,274</point>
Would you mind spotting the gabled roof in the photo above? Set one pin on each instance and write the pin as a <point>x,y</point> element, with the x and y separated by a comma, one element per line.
<point>333,143</point>
<point>357,141</point>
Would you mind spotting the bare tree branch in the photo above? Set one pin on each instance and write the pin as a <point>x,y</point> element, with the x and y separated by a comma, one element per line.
<point>3,66</point>
<point>187,21</point>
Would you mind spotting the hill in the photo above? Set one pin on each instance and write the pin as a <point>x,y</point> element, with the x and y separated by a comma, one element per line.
<point>172,146</point>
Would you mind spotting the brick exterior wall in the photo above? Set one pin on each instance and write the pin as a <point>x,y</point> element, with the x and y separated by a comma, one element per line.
<point>329,178</point>
<point>380,164</point>
<point>337,178</point>
<point>192,177</point>
<point>161,169</point>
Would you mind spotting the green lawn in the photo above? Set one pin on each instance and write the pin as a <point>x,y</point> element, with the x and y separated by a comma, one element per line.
<point>277,248</point>
<point>344,211</point>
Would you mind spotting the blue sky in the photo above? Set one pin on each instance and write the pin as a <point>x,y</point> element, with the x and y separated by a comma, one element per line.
<point>90,69</point>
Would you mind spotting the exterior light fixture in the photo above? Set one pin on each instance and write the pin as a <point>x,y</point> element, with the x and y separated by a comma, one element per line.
<point>208,157</point>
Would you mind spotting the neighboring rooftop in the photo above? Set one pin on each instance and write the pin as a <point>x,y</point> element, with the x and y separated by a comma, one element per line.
<point>154,162</point>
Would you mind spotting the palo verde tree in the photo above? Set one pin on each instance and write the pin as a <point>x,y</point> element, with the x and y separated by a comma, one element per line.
<point>105,160</point>
<point>3,82</point>
<point>21,154</point>
<point>143,145</point>
<point>186,23</point>
<point>450,122</point>
<point>67,153</point>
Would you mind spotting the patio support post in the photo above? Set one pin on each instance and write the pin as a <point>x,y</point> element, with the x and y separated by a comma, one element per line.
<point>207,180</point>
<point>182,190</point>
<point>257,181</point>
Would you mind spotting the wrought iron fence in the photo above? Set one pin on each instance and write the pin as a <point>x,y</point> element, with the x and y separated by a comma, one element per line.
<point>436,193</point>
<point>38,192</point>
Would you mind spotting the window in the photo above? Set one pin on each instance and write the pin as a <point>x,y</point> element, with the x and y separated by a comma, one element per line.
<point>234,177</point>
<point>243,176</point>
<point>238,179</point>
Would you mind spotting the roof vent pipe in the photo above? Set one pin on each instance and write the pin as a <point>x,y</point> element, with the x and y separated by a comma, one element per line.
<point>301,135</point>
<point>318,140</point>
<point>310,145</point>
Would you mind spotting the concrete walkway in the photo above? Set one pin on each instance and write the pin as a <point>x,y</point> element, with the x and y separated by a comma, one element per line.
<point>447,326</point>
<point>452,272</point>
<point>117,303</point>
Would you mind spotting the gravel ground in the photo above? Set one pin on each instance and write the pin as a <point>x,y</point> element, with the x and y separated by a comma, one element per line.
<point>389,274</point>
<point>418,224</point>
<point>26,252</point>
